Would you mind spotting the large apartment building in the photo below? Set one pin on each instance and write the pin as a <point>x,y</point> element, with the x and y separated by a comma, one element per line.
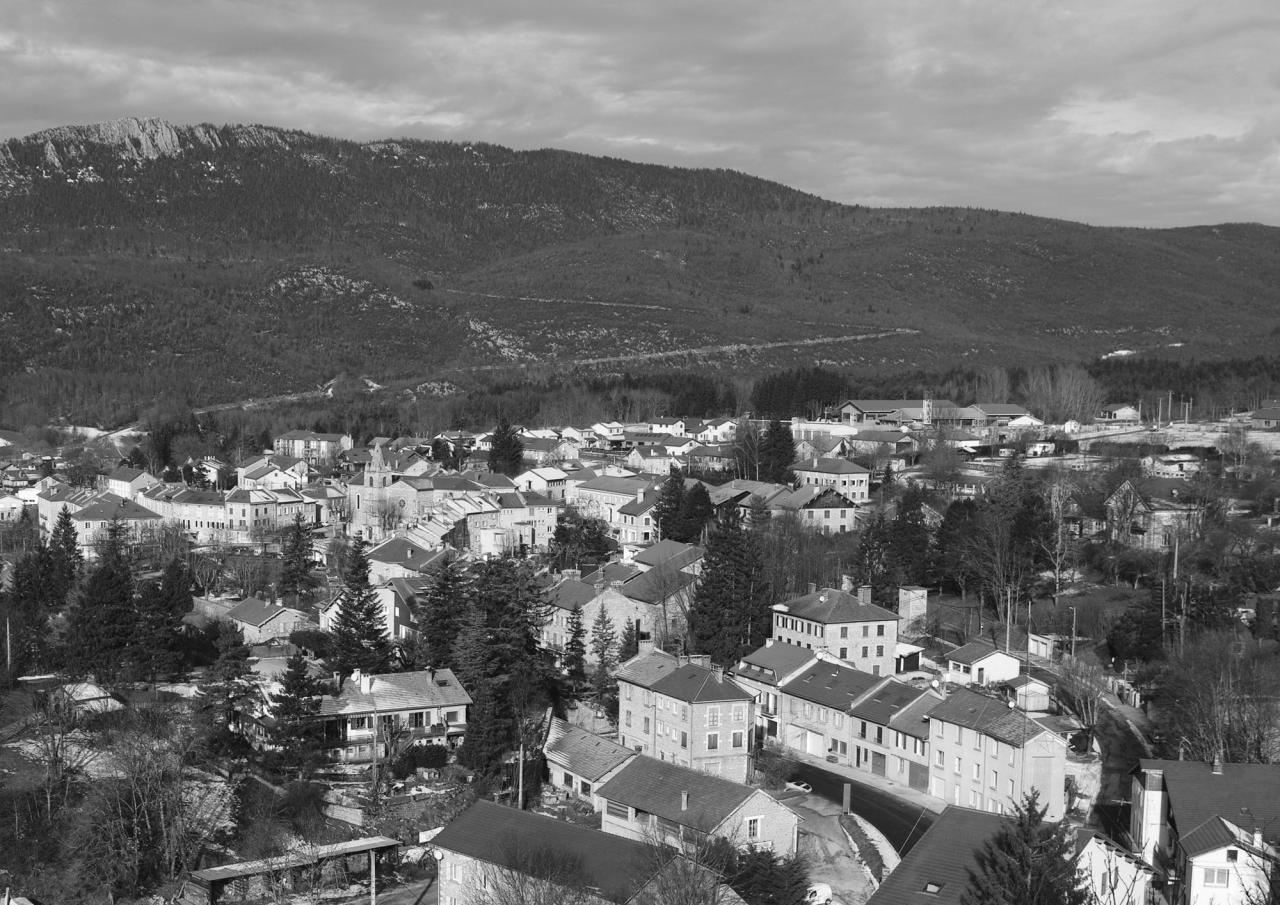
<point>847,625</point>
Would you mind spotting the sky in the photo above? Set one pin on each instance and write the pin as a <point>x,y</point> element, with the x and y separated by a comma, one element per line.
<point>1111,112</point>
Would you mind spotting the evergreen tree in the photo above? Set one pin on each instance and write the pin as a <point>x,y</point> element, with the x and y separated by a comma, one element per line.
<point>1028,862</point>
<point>777,453</point>
<point>629,643</point>
<point>161,606</point>
<point>873,561</point>
<point>64,551</point>
<point>696,512</point>
<point>667,511</point>
<point>297,733</point>
<point>359,630</point>
<point>603,647</point>
<point>730,612</point>
<point>228,685</point>
<point>295,562</point>
<point>909,539</point>
<point>506,452</point>
<point>103,628</point>
<point>26,607</point>
<point>441,611</point>
<point>575,651</point>
<point>489,730</point>
<point>472,653</point>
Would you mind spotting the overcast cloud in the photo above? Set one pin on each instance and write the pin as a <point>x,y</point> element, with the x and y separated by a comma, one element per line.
<point>1118,112</point>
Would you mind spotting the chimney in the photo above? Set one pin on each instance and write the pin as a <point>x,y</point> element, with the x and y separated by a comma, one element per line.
<point>864,594</point>
<point>718,672</point>
<point>813,588</point>
<point>1216,766</point>
<point>644,646</point>
<point>846,583</point>
<point>684,801</point>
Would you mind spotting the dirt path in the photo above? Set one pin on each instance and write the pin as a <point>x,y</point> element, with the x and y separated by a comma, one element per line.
<point>825,848</point>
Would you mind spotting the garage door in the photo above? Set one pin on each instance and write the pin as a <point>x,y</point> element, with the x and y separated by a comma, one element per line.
<point>815,741</point>
<point>917,776</point>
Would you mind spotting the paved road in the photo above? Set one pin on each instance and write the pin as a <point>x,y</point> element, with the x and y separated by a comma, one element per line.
<point>902,823</point>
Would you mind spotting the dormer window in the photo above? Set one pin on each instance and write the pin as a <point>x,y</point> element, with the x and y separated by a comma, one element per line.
<point>932,888</point>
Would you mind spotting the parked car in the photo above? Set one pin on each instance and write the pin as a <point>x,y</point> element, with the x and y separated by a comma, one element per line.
<point>818,894</point>
<point>800,787</point>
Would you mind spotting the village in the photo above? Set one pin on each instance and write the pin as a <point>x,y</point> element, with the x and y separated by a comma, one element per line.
<point>663,762</point>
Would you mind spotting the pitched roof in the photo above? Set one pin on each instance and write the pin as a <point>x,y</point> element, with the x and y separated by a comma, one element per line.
<point>571,595</point>
<point>588,755</point>
<point>936,870</point>
<point>657,585</point>
<point>988,716</point>
<point>255,612</point>
<point>974,651</point>
<point>1243,794</point>
<point>657,786</point>
<point>669,552</point>
<point>829,606</point>
<point>695,684</point>
<point>619,867</point>
<point>104,510</point>
<point>641,506</point>
<point>830,684</point>
<point>1000,408</point>
<point>891,405</point>
<point>125,473</point>
<point>830,466</point>
<point>648,667</point>
<point>397,691</point>
<point>769,664</point>
<point>616,485</point>
<point>884,702</point>
<point>402,552</point>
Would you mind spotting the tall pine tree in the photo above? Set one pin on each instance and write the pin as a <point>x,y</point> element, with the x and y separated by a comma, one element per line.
<point>667,511</point>
<point>295,562</point>
<point>575,651</point>
<point>103,628</point>
<point>65,556</point>
<point>1029,861</point>
<point>359,629</point>
<point>440,612</point>
<point>297,732</point>
<point>777,453</point>
<point>506,451</point>
<point>730,612</point>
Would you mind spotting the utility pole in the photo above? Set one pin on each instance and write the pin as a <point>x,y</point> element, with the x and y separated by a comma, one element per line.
<point>1073,632</point>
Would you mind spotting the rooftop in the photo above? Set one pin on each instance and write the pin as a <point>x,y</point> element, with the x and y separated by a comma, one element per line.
<point>589,755</point>
<point>397,691</point>
<point>695,684</point>
<point>831,685</point>
<point>659,787</point>
<point>988,716</point>
<point>1243,794</point>
<point>769,664</point>
<point>936,870</point>
<point>829,606</point>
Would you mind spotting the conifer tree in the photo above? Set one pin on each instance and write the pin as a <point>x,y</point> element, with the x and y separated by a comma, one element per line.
<point>441,611</point>
<point>65,555</point>
<point>295,562</point>
<point>161,606</point>
<point>696,512</point>
<point>629,643</point>
<point>26,608</point>
<point>777,453</point>
<point>730,612</point>
<point>603,647</point>
<point>359,630</point>
<point>489,730</point>
<point>506,452</point>
<point>104,627</point>
<point>294,707</point>
<point>575,651</point>
<point>472,653</point>
<point>1028,861</point>
<point>667,511</point>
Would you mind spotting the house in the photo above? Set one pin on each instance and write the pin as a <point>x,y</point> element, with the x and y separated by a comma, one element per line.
<point>1118,412</point>
<point>1265,419</point>
<point>936,869</point>
<point>981,663</point>
<point>1004,414</point>
<point>814,707</point>
<point>1151,513</point>
<point>820,509</point>
<point>650,798</point>
<point>93,522</point>
<point>572,594</point>
<point>272,472</point>
<point>202,514</point>
<point>125,482</point>
<point>654,460</point>
<point>670,554</point>
<point>988,756</point>
<point>549,482</point>
<point>84,697</point>
<point>1172,465</point>
<point>635,521</point>
<point>864,411</point>
<point>891,732</point>
<point>495,853</point>
<point>313,448</point>
<point>846,625</point>
<point>1029,693</point>
<point>717,431</point>
<point>601,497</point>
<point>261,620</point>
<point>763,672</point>
<point>707,458</point>
<point>423,707</point>
<point>849,478</point>
<point>578,761</point>
<point>684,710</point>
<point>399,557</point>
<point>1212,830</point>
<point>1112,873</point>
<point>395,601</point>
<point>546,450</point>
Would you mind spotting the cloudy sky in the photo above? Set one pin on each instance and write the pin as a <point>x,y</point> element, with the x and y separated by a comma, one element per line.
<point>1118,112</point>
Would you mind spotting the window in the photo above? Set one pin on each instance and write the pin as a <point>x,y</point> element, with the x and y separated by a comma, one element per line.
<point>713,715</point>
<point>1217,876</point>
<point>1011,788</point>
<point>359,722</point>
<point>613,809</point>
<point>739,713</point>
<point>879,650</point>
<point>941,729</point>
<point>713,741</point>
<point>684,740</point>
<point>940,758</point>
<point>975,800</point>
<point>957,767</point>
<point>995,779</point>
<point>585,787</point>
<point>864,651</point>
<point>880,631</point>
<point>1233,855</point>
<point>977,772</point>
<point>626,719</point>
<point>866,629</point>
<point>977,740</point>
<point>646,725</point>
<point>844,653</point>
<point>822,714</point>
<point>844,631</point>
<point>839,719</point>
<point>417,720</point>
<point>737,738</point>
<point>959,735</point>
<point>753,827</point>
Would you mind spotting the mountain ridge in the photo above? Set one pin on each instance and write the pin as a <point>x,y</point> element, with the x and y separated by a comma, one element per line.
<point>140,248</point>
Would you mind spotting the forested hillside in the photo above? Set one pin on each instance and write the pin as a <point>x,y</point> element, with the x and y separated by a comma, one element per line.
<point>146,262</point>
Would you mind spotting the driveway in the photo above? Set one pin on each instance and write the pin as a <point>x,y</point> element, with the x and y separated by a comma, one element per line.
<point>825,848</point>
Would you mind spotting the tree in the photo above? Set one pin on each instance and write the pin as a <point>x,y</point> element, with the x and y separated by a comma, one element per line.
<point>296,581</point>
<point>629,643</point>
<point>161,606</point>
<point>603,646</point>
<point>506,452</point>
<point>1027,861</point>
<point>667,511</point>
<point>440,613</point>
<point>359,629</point>
<point>295,706</point>
<point>64,551</point>
<point>730,611</point>
<point>777,453</point>
<point>104,627</point>
<point>575,651</point>
<point>696,511</point>
<point>1081,685</point>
